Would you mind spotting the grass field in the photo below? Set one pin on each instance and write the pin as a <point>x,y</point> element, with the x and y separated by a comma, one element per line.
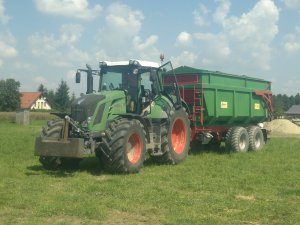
<point>210,187</point>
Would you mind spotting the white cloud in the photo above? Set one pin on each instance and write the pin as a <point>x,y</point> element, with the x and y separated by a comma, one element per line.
<point>252,26</point>
<point>200,15</point>
<point>242,40</point>
<point>222,11</point>
<point>7,45</point>
<point>69,8</point>
<point>122,22</point>
<point>119,37</point>
<point>292,41</point>
<point>59,51</point>
<point>184,39</point>
<point>3,17</point>
<point>185,58</point>
<point>249,36</point>
<point>146,50</point>
<point>214,47</point>
<point>71,33</point>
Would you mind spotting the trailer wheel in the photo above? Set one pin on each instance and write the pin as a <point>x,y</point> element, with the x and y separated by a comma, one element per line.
<point>175,139</point>
<point>256,138</point>
<point>53,130</point>
<point>123,148</point>
<point>228,138</point>
<point>238,139</point>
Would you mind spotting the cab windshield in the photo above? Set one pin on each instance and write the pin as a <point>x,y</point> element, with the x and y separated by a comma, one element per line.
<point>116,78</point>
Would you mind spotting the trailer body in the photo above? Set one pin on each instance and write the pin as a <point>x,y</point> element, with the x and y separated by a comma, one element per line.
<point>218,101</point>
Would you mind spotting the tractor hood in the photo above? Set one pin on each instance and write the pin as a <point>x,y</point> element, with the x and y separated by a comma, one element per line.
<point>85,106</point>
<point>92,105</point>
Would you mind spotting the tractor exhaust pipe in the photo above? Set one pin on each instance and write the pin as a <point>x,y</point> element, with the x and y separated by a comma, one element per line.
<point>89,81</point>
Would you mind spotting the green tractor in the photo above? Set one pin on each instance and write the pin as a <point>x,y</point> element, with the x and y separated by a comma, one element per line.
<point>136,110</point>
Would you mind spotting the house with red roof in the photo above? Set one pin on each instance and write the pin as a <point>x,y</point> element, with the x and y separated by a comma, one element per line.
<point>34,101</point>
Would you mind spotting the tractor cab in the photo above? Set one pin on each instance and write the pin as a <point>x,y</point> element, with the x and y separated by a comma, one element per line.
<point>141,81</point>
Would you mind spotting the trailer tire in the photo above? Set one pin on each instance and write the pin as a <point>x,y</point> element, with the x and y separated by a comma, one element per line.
<point>256,138</point>
<point>53,130</point>
<point>228,138</point>
<point>175,139</point>
<point>239,139</point>
<point>123,147</point>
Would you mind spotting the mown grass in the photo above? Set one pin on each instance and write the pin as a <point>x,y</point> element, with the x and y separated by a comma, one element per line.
<point>210,187</point>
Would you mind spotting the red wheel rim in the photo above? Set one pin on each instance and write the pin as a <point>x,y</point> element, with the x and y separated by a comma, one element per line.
<point>178,136</point>
<point>134,148</point>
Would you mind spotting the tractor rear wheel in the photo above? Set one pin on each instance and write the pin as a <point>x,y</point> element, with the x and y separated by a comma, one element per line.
<point>175,139</point>
<point>256,138</point>
<point>53,130</point>
<point>123,148</point>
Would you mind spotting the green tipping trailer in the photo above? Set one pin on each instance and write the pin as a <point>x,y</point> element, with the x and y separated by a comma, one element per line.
<point>226,107</point>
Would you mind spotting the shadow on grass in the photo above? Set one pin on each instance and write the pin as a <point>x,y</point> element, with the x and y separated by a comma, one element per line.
<point>90,165</point>
<point>93,166</point>
<point>198,148</point>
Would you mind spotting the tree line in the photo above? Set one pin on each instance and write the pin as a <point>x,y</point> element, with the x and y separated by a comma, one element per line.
<point>282,103</point>
<point>10,96</point>
<point>60,99</point>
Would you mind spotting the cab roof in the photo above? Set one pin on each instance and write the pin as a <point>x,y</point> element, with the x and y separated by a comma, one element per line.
<point>130,62</point>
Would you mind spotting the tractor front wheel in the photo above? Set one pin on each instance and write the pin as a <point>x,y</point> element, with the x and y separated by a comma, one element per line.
<point>123,148</point>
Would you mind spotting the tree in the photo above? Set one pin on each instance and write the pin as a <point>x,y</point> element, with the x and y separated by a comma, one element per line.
<point>51,98</point>
<point>9,95</point>
<point>297,99</point>
<point>61,97</point>
<point>73,97</point>
<point>43,89</point>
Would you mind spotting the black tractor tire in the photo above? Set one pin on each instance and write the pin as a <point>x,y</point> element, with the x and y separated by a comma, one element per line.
<point>237,139</point>
<point>54,130</point>
<point>175,139</point>
<point>228,138</point>
<point>256,138</point>
<point>123,147</point>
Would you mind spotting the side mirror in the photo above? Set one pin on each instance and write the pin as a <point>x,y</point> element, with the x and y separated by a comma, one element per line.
<point>77,78</point>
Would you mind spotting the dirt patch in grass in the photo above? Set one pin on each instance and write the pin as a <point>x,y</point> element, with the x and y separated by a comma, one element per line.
<point>246,197</point>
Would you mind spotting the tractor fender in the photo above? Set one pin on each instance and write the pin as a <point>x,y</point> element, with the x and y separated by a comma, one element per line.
<point>185,105</point>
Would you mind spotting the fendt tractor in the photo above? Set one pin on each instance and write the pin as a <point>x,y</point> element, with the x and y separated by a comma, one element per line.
<point>134,110</point>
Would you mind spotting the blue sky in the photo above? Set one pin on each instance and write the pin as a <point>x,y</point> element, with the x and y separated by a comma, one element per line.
<point>45,41</point>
